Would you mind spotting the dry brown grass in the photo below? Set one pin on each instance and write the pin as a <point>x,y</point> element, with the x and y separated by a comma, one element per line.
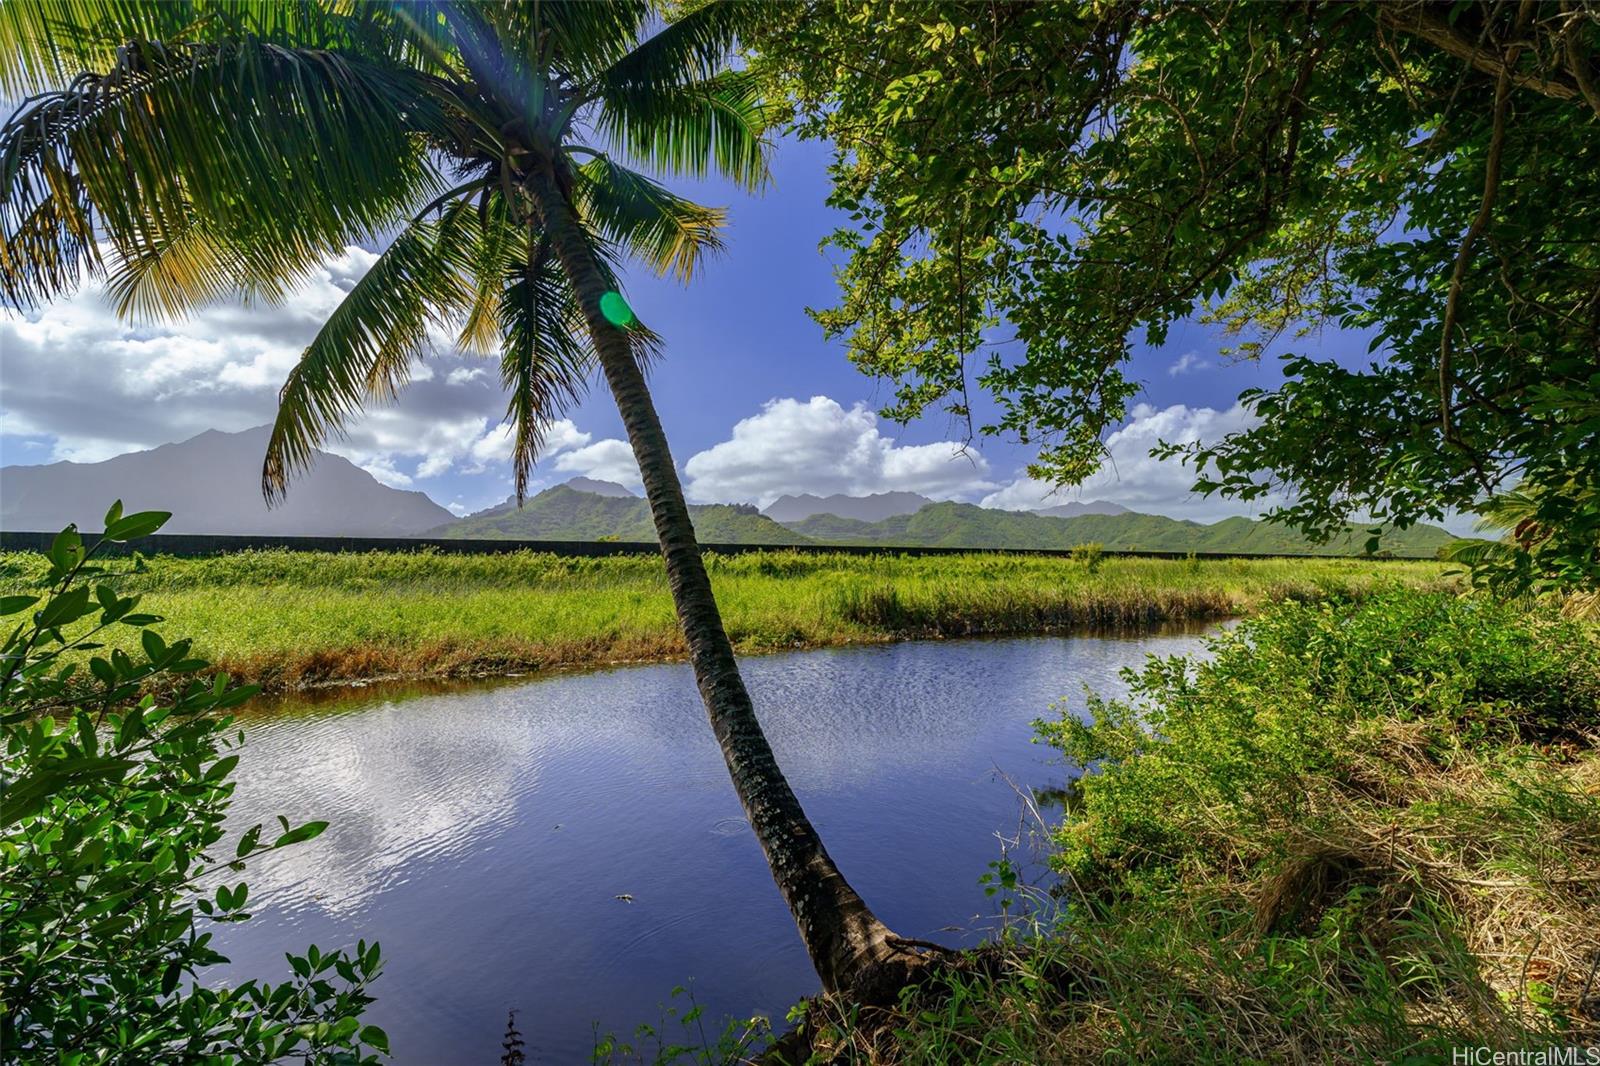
<point>1468,945</point>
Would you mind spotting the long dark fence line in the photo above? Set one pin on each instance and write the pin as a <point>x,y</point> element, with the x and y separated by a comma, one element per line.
<point>193,544</point>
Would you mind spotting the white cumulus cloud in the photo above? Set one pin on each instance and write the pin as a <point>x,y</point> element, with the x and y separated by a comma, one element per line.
<point>821,447</point>
<point>604,460</point>
<point>94,386</point>
<point>1187,363</point>
<point>1135,479</point>
<point>493,448</point>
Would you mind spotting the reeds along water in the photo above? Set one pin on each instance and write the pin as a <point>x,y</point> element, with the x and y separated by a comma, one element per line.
<point>287,619</point>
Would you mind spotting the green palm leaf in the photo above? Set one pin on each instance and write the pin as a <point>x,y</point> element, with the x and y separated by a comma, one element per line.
<point>164,274</point>
<point>230,134</point>
<point>712,125</point>
<point>693,49</point>
<point>547,360</point>
<point>667,232</point>
<point>367,347</point>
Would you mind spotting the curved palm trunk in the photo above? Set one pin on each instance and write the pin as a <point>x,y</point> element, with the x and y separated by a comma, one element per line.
<point>852,950</point>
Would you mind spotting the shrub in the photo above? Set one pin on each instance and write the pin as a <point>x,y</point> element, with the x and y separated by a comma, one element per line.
<point>1091,555</point>
<point>1202,753</point>
<point>110,868</point>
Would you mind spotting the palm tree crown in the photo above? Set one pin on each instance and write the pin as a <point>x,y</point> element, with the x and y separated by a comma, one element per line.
<point>223,147</point>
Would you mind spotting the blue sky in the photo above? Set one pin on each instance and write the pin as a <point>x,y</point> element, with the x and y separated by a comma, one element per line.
<point>754,400</point>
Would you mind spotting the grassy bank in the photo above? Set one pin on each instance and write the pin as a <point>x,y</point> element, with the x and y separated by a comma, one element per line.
<point>1362,832</point>
<point>286,619</point>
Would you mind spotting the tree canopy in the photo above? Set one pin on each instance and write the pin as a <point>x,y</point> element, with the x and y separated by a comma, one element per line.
<point>195,149</point>
<point>1033,188</point>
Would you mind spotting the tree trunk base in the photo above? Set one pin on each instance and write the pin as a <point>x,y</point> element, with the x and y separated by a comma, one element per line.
<point>876,989</point>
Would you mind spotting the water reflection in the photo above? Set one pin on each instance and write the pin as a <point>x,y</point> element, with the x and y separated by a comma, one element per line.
<point>484,834</point>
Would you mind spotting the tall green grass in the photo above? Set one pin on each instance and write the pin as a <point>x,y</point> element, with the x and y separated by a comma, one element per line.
<point>285,618</point>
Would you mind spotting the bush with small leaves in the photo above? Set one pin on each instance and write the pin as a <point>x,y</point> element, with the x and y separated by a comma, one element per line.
<point>112,865</point>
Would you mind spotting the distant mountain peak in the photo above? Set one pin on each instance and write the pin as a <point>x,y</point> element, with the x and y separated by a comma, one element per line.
<point>564,512</point>
<point>600,488</point>
<point>1074,508</point>
<point>211,483</point>
<point>873,508</point>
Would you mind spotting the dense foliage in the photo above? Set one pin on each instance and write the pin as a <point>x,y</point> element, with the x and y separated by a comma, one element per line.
<point>113,865</point>
<point>1241,746</point>
<point>1034,187</point>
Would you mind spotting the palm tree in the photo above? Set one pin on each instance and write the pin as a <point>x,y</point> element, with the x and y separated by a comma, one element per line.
<point>218,147</point>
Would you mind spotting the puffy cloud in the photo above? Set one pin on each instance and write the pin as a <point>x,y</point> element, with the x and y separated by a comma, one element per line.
<point>1187,363</point>
<point>820,447</point>
<point>463,375</point>
<point>493,448</point>
<point>382,467</point>
<point>605,460</point>
<point>1132,477</point>
<point>94,386</point>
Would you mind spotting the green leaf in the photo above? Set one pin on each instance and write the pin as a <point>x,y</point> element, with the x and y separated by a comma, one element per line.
<point>102,670</point>
<point>64,549</point>
<point>14,604</point>
<point>135,526</point>
<point>247,842</point>
<point>169,977</point>
<point>300,834</point>
<point>69,606</point>
<point>372,1036</point>
<point>222,768</point>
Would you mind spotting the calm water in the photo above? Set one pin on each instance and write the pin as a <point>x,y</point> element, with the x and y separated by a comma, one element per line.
<point>483,834</point>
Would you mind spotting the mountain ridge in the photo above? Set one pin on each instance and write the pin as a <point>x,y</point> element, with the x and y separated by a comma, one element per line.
<point>211,483</point>
<point>564,513</point>
<point>871,508</point>
<point>964,525</point>
<point>1077,508</point>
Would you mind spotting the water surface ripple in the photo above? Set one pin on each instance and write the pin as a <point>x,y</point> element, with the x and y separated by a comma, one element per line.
<point>483,834</point>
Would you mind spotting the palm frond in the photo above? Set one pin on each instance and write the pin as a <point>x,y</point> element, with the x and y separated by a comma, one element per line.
<point>285,155</point>
<point>1477,553</point>
<point>669,233</point>
<point>717,124</point>
<point>692,49</point>
<point>574,39</point>
<point>46,43</point>
<point>497,247</point>
<point>164,274</point>
<point>366,348</point>
<point>547,357</point>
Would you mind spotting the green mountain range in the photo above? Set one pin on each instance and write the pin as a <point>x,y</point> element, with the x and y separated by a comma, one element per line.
<point>565,513</point>
<point>965,525</point>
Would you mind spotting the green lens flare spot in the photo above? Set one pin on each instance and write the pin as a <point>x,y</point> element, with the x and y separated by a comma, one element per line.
<point>616,309</point>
